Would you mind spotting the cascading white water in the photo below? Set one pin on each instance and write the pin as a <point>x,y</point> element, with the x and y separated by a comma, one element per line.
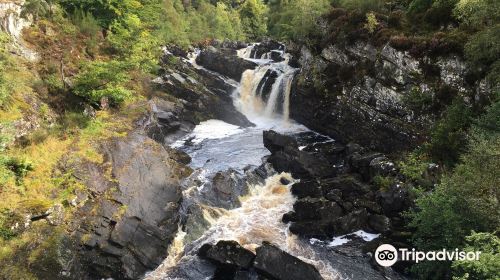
<point>257,220</point>
<point>259,217</point>
<point>250,99</point>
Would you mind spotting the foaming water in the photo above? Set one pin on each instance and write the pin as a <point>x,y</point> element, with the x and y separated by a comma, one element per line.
<point>249,95</point>
<point>217,146</point>
<point>257,220</point>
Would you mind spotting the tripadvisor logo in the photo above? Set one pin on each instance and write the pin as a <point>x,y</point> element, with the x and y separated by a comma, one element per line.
<point>387,255</point>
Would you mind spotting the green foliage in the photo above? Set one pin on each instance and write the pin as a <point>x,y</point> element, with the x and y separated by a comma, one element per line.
<point>419,6</point>
<point>363,6</point>
<point>436,12</point>
<point>413,168</point>
<point>466,200</point>
<point>417,100</point>
<point>37,8</point>
<point>384,182</point>
<point>371,22</point>
<point>5,232</point>
<point>86,23</point>
<point>483,47</point>
<point>488,265</point>
<point>297,19</point>
<point>253,17</point>
<point>478,13</point>
<point>100,79</point>
<point>13,167</point>
<point>488,125</point>
<point>5,84</point>
<point>448,137</point>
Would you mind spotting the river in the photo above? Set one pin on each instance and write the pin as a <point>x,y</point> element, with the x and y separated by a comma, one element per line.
<point>216,146</point>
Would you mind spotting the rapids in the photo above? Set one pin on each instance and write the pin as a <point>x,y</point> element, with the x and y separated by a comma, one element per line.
<point>262,96</point>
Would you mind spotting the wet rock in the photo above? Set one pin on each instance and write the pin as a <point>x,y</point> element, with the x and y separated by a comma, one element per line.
<point>201,95</point>
<point>284,181</point>
<point>225,189</point>
<point>369,203</point>
<point>361,162</point>
<point>379,223</point>
<point>306,188</point>
<point>289,217</point>
<point>382,166</point>
<point>227,253</point>
<point>313,229</point>
<point>275,142</point>
<point>347,184</point>
<point>243,275</point>
<point>334,195</point>
<point>287,157</point>
<point>127,230</point>
<point>230,66</point>
<point>163,119</point>
<point>307,209</point>
<point>351,222</point>
<point>395,200</point>
<point>267,46</point>
<point>274,263</point>
<point>228,44</point>
<point>330,211</point>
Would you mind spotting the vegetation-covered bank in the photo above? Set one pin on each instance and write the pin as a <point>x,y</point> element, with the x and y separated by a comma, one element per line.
<point>89,85</point>
<point>97,58</point>
<point>460,135</point>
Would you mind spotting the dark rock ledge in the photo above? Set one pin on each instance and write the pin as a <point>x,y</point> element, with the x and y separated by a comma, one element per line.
<point>336,194</point>
<point>269,262</point>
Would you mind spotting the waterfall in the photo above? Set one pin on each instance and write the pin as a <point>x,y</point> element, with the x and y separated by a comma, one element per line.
<point>246,52</point>
<point>273,98</point>
<point>251,96</point>
<point>263,95</point>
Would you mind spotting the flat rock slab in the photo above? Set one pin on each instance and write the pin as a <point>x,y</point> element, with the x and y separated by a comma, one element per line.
<point>228,253</point>
<point>275,263</point>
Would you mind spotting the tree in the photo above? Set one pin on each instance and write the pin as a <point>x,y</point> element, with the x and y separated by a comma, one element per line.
<point>466,200</point>
<point>253,14</point>
<point>482,49</point>
<point>488,265</point>
<point>100,79</point>
<point>297,19</point>
<point>478,13</point>
<point>36,8</point>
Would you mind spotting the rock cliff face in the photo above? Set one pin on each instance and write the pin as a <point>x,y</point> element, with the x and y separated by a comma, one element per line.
<point>359,93</point>
<point>13,24</point>
<point>336,194</point>
<point>127,227</point>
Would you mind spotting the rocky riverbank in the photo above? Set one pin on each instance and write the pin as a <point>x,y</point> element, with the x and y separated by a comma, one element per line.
<point>379,97</point>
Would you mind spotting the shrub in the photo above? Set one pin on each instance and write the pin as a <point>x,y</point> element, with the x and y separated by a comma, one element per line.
<point>466,199</point>
<point>483,47</point>
<point>448,137</point>
<point>395,19</point>
<point>401,42</point>
<point>383,182</point>
<point>488,265</point>
<point>363,6</point>
<point>86,23</point>
<point>417,100</point>
<point>5,85</point>
<point>371,22</point>
<point>103,79</point>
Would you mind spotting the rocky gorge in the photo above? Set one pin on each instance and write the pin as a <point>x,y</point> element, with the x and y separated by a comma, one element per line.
<point>239,137</point>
